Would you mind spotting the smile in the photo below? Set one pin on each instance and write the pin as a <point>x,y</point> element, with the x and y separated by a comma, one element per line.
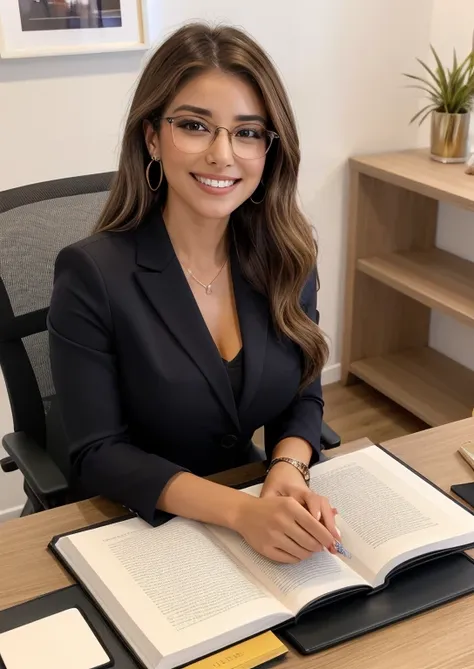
<point>215,183</point>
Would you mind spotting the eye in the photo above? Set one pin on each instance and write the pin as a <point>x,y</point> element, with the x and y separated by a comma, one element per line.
<point>250,133</point>
<point>191,126</point>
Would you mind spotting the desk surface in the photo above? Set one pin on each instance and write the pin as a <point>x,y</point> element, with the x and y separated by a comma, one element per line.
<point>439,639</point>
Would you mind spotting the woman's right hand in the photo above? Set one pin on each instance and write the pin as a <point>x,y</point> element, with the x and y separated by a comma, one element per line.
<point>281,529</point>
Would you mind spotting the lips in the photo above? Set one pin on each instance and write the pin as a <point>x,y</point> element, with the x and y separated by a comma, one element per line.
<point>215,183</point>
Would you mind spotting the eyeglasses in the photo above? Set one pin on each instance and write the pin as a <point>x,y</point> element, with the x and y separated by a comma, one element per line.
<point>191,135</point>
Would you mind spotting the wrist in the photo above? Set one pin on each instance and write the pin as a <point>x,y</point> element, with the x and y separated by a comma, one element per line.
<point>283,470</point>
<point>238,510</point>
<point>293,447</point>
<point>300,469</point>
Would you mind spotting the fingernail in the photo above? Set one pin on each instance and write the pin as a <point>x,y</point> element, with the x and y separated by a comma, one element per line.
<point>338,532</point>
<point>318,517</point>
<point>343,551</point>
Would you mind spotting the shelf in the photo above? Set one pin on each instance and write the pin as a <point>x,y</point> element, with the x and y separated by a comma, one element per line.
<point>437,279</point>
<point>423,381</point>
<point>415,171</point>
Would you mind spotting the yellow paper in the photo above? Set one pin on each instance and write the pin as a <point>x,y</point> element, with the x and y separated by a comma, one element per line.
<point>245,655</point>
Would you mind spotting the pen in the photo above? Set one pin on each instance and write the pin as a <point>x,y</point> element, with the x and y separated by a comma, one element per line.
<point>337,544</point>
<point>340,549</point>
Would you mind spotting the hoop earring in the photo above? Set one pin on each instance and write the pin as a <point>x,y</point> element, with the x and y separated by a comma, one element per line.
<point>147,173</point>
<point>259,201</point>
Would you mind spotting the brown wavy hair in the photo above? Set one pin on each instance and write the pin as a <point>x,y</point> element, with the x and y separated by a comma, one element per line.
<point>274,241</point>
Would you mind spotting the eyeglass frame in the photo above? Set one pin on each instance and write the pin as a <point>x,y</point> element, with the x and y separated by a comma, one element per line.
<point>171,119</point>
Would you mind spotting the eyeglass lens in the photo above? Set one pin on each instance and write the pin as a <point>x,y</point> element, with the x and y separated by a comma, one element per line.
<point>190,135</point>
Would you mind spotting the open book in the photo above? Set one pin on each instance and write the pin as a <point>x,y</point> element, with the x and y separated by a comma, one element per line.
<point>184,589</point>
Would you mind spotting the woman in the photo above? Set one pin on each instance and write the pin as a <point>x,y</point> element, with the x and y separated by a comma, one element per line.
<point>189,319</point>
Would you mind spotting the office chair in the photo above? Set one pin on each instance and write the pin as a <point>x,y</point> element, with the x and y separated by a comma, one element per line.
<point>36,222</point>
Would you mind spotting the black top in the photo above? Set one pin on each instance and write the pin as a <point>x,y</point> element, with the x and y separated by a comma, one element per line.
<point>235,371</point>
<point>142,390</point>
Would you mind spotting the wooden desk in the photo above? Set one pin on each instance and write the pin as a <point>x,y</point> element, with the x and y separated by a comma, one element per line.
<point>439,639</point>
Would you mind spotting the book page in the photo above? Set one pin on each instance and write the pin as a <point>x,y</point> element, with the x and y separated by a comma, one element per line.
<point>388,514</point>
<point>176,587</point>
<point>295,585</point>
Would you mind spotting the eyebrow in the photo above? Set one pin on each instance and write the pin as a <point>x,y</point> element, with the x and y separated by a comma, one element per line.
<point>206,112</point>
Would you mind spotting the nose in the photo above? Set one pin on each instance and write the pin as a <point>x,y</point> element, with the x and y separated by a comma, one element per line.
<point>220,152</point>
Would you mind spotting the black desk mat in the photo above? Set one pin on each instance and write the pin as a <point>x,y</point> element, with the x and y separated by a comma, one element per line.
<point>67,598</point>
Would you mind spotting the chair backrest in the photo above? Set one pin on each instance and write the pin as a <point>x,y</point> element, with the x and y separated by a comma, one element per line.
<point>36,222</point>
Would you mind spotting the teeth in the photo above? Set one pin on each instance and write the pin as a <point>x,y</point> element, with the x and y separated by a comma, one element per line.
<point>215,183</point>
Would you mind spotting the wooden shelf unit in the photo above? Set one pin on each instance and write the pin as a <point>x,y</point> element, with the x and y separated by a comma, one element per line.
<point>395,275</point>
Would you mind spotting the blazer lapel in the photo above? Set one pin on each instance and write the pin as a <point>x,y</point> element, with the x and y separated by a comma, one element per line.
<point>167,288</point>
<point>252,309</point>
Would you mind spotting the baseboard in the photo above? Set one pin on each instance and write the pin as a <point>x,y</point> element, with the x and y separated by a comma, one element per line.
<point>9,514</point>
<point>331,374</point>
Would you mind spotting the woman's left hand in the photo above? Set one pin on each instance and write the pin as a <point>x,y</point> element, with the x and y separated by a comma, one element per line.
<point>286,481</point>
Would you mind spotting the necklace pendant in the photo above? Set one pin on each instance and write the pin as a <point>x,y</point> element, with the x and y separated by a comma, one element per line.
<point>208,289</point>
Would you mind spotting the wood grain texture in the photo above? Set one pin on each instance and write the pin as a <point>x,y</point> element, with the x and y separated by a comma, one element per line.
<point>429,384</point>
<point>385,321</point>
<point>357,410</point>
<point>395,276</point>
<point>27,569</point>
<point>383,219</point>
<point>439,639</point>
<point>435,278</point>
<point>413,170</point>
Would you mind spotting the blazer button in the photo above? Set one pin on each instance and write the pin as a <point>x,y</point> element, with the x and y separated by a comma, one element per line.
<point>229,441</point>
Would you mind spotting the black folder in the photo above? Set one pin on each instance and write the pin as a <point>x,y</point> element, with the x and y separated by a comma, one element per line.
<point>413,591</point>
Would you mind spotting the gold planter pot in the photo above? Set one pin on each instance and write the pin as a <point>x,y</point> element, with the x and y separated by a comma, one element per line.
<point>449,137</point>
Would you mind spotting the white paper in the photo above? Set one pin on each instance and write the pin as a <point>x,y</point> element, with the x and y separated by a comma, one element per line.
<point>62,640</point>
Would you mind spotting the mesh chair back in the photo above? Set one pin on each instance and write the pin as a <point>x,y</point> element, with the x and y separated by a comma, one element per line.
<point>36,222</point>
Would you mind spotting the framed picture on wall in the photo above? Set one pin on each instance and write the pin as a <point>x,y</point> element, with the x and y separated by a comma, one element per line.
<point>57,27</point>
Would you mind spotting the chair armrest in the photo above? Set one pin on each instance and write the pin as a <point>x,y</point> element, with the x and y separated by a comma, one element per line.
<point>329,438</point>
<point>41,473</point>
<point>8,465</point>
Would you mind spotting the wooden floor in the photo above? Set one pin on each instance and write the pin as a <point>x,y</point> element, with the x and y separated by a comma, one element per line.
<point>358,410</point>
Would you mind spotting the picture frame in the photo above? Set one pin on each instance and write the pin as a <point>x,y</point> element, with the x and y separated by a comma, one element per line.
<point>36,28</point>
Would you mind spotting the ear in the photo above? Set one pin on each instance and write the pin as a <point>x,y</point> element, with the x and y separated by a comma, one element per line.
<point>151,140</point>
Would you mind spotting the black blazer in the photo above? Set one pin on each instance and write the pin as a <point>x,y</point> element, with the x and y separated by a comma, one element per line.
<point>141,387</point>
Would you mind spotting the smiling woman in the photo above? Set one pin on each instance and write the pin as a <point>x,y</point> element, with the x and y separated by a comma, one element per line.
<point>230,135</point>
<point>188,320</point>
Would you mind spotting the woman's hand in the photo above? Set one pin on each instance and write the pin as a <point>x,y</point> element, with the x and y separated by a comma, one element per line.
<point>281,528</point>
<point>284,480</point>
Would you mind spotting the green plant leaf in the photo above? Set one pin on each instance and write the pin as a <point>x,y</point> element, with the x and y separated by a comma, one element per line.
<point>444,88</point>
<point>430,72</point>
<point>430,108</point>
<point>461,73</point>
<point>426,116</point>
<point>448,89</point>
<point>433,89</point>
<point>463,98</point>
<point>435,100</point>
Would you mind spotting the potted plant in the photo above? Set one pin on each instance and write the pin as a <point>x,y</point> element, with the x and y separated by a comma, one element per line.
<point>450,93</point>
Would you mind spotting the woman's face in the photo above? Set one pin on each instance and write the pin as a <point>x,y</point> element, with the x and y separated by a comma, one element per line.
<point>208,177</point>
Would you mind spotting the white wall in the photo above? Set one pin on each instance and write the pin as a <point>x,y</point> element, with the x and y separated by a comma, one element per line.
<point>453,27</point>
<point>341,61</point>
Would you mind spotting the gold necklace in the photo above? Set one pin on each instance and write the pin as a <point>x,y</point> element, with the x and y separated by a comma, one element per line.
<point>207,286</point>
